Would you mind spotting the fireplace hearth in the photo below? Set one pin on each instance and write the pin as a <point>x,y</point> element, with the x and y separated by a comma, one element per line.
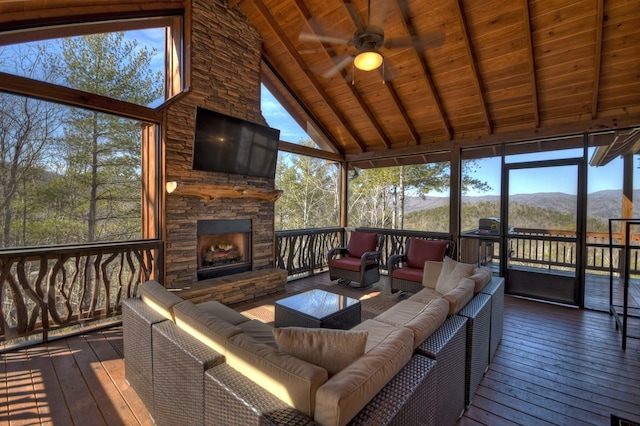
<point>224,247</point>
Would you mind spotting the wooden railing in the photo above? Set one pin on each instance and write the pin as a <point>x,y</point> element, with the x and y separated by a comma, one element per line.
<point>303,252</point>
<point>557,250</point>
<point>43,290</point>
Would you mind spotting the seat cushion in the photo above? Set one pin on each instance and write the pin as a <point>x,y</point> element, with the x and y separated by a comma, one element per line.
<point>330,349</point>
<point>291,379</point>
<point>223,312</point>
<point>408,273</point>
<point>159,298</point>
<point>421,250</point>
<point>259,331</point>
<point>209,329</point>
<point>422,319</point>
<point>348,263</point>
<point>361,242</point>
<point>426,295</point>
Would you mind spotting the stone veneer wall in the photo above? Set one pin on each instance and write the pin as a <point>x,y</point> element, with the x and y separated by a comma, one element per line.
<point>225,55</point>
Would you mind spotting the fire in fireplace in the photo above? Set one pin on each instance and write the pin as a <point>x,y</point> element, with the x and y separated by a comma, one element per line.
<point>224,247</point>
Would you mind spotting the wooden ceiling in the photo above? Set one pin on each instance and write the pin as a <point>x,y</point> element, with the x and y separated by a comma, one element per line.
<point>490,71</point>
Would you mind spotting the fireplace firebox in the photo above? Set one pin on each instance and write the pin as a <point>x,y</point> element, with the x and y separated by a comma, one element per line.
<point>224,247</point>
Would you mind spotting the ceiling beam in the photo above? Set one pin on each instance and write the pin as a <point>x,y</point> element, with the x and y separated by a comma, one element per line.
<point>403,9</point>
<point>532,64</point>
<point>598,59</point>
<point>473,62</point>
<point>560,130</point>
<point>282,38</point>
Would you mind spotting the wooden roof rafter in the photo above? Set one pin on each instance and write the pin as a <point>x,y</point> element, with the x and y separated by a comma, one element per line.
<point>403,9</point>
<point>273,24</point>
<point>598,59</point>
<point>477,80</point>
<point>532,64</point>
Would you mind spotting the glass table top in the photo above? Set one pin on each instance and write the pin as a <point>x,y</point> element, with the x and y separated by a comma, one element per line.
<point>317,303</point>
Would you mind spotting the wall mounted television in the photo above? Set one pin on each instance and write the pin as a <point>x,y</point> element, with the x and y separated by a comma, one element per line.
<point>226,144</point>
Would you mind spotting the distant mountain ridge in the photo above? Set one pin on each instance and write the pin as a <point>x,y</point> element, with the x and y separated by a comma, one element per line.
<point>602,204</point>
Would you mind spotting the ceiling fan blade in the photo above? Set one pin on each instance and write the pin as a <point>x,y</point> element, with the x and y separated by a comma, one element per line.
<point>355,16</point>
<point>323,38</point>
<point>421,41</point>
<point>378,12</point>
<point>340,64</point>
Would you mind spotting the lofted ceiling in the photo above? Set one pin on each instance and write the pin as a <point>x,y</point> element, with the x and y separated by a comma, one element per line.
<point>478,71</point>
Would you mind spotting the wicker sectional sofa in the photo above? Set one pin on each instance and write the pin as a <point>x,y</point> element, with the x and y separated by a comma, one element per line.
<point>208,364</point>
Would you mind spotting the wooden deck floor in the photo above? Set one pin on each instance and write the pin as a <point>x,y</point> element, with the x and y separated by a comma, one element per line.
<point>555,365</point>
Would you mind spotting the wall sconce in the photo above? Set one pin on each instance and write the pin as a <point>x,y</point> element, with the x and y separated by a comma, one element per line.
<point>171,186</point>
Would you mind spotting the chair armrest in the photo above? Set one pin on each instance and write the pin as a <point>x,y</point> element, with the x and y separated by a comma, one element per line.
<point>336,251</point>
<point>369,256</point>
<point>395,261</point>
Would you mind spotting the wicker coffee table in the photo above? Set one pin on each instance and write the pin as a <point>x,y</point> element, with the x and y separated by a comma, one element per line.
<point>317,308</point>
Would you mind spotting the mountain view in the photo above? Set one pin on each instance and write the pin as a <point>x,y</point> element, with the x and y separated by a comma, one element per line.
<point>554,209</point>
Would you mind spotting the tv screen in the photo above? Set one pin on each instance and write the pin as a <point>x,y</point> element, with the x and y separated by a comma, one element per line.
<point>226,144</point>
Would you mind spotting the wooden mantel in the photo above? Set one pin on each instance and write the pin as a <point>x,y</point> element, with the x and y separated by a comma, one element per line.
<point>211,192</point>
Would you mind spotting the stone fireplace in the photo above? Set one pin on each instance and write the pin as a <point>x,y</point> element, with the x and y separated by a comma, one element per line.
<point>224,247</point>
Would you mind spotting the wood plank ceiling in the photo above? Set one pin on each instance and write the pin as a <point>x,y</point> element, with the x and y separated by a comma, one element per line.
<point>482,71</point>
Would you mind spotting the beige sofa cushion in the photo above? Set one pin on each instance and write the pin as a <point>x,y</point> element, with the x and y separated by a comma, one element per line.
<point>481,277</point>
<point>425,295</point>
<point>205,327</point>
<point>430,273</point>
<point>292,380</point>
<point>451,274</point>
<point>422,319</point>
<point>460,296</point>
<point>388,349</point>
<point>223,312</point>
<point>158,298</point>
<point>331,349</point>
<point>260,332</point>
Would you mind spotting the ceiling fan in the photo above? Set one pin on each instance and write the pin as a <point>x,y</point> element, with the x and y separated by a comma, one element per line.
<point>368,39</point>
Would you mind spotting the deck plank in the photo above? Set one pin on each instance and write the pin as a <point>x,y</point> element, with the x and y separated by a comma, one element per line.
<point>52,407</point>
<point>83,408</point>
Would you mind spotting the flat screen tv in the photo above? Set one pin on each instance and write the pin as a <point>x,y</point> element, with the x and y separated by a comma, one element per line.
<point>226,144</point>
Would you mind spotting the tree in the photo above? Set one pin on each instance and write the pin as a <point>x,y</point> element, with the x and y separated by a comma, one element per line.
<point>102,151</point>
<point>377,196</point>
<point>27,126</point>
<point>309,198</point>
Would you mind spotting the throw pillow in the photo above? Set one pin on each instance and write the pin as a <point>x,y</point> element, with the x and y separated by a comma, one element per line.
<point>330,349</point>
<point>430,273</point>
<point>451,274</point>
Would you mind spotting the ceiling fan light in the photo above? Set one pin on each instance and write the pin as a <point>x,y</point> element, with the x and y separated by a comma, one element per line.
<point>368,60</point>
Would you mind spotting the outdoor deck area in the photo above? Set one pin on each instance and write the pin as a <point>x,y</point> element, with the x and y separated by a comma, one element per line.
<point>555,365</point>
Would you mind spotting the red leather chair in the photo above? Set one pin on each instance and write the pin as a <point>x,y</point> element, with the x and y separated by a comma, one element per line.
<point>405,270</point>
<point>359,261</point>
